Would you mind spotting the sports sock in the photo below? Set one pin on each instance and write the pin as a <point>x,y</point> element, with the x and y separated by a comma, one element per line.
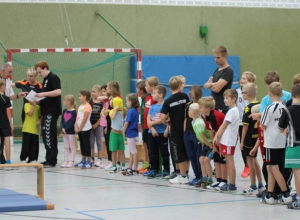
<point>209,179</point>
<point>184,176</point>
<point>260,185</point>
<point>83,159</point>
<point>253,186</point>
<point>177,171</point>
<point>99,158</point>
<point>89,159</point>
<point>225,181</point>
<point>114,165</point>
<point>123,164</point>
<point>286,193</point>
<point>219,180</point>
<point>93,158</point>
<point>8,161</point>
<point>204,178</point>
<point>298,199</point>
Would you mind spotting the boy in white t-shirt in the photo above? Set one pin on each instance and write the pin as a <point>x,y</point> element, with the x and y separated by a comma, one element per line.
<point>274,144</point>
<point>226,137</point>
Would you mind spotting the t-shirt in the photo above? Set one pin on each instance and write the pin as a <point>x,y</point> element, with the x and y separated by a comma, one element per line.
<point>30,123</point>
<point>51,105</point>
<point>117,122</point>
<point>227,75</point>
<point>26,87</point>
<point>175,107</point>
<point>132,118</point>
<point>155,115</point>
<point>68,120</point>
<point>95,115</point>
<point>290,119</point>
<point>215,120</point>
<point>260,135</point>
<point>241,104</point>
<point>270,117</point>
<point>8,88</point>
<point>188,124</point>
<point>142,108</point>
<point>148,102</point>
<point>266,101</point>
<point>80,115</point>
<point>4,105</point>
<point>252,132</point>
<point>103,121</point>
<point>230,134</point>
<point>199,127</point>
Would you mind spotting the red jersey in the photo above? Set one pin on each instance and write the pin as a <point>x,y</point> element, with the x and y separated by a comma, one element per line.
<point>261,139</point>
<point>148,102</point>
<point>215,119</point>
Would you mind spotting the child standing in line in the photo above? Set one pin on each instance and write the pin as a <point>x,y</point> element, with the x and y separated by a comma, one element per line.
<point>214,120</point>
<point>158,135</point>
<point>130,131</point>
<point>227,136</point>
<point>246,77</point>
<point>289,124</point>
<point>6,123</point>
<point>150,83</point>
<point>68,120</point>
<point>205,138</point>
<point>274,146</point>
<point>141,91</point>
<point>83,127</point>
<point>105,122</point>
<point>249,139</point>
<point>30,132</point>
<point>97,130</point>
<point>116,141</point>
<point>192,145</point>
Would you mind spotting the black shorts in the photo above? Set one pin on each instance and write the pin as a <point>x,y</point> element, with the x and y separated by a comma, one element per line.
<point>178,149</point>
<point>246,152</point>
<point>5,132</point>
<point>145,136</point>
<point>219,158</point>
<point>273,156</point>
<point>205,151</point>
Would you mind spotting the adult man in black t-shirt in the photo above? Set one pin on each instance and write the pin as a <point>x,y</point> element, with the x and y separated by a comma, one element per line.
<point>221,80</point>
<point>50,111</point>
<point>174,107</point>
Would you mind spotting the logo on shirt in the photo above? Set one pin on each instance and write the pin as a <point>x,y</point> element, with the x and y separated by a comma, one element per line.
<point>183,101</point>
<point>45,85</point>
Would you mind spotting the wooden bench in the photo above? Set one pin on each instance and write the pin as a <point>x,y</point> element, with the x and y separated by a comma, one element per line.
<point>40,175</point>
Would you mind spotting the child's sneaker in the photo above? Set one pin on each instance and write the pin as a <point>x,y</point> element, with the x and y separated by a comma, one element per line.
<point>158,174</point>
<point>113,170</point>
<point>294,197</point>
<point>179,179</point>
<point>265,200</point>
<point>192,182</point>
<point>131,172</point>
<point>294,205</point>
<point>98,163</point>
<point>123,169</point>
<point>152,174</point>
<point>70,164</point>
<point>249,191</point>
<point>165,173</point>
<point>108,168</point>
<point>171,175</point>
<point>87,165</point>
<point>10,168</point>
<point>246,172</point>
<point>228,188</point>
<point>124,172</point>
<point>146,173</point>
<point>218,188</point>
<point>108,165</point>
<point>284,200</point>
<point>64,165</point>
<point>80,164</point>
<point>213,185</point>
<point>200,183</point>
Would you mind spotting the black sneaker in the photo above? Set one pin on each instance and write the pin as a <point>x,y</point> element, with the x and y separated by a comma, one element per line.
<point>47,164</point>
<point>152,174</point>
<point>261,194</point>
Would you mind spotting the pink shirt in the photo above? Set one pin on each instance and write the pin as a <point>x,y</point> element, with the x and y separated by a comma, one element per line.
<point>103,121</point>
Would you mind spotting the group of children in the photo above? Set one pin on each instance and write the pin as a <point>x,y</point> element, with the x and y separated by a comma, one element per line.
<point>193,132</point>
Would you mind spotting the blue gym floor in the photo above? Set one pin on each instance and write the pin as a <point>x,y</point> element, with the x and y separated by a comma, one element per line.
<point>97,194</point>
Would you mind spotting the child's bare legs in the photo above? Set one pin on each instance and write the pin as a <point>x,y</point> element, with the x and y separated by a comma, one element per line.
<point>182,167</point>
<point>218,170</point>
<point>251,164</point>
<point>121,155</point>
<point>114,157</point>
<point>274,174</point>
<point>203,167</point>
<point>99,153</point>
<point>146,156</point>
<point>208,167</point>
<point>231,168</point>
<point>258,171</point>
<point>297,180</point>
<point>7,147</point>
<point>224,173</point>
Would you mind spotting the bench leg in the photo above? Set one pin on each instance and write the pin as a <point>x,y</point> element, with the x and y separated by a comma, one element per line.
<point>40,182</point>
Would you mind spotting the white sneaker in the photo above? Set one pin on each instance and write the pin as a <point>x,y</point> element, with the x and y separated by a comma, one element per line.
<point>113,170</point>
<point>218,188</point>
<point>261,189</point>
<point>108,168</point>
<point>23,161</point>
<point>249,191</point>
<point>179,179</point>
<point>265,200</point>
<point>108,165</point>
<point>213,185</point>
<point>284,200</point>
<point>98,163</point>
<point>34,161</point>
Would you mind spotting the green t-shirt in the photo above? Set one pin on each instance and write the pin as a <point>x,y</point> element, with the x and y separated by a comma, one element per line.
<point>30,124</point>
<point>200,127</point>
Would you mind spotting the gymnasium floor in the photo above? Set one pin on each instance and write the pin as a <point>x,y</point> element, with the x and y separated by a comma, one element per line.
<point>97,194</point>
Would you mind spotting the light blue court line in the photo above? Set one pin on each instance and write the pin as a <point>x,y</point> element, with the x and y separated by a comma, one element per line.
<point>171,205</point>
<point>92,216</point>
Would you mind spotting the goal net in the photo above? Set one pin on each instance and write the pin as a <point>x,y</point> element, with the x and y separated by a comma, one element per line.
<point>78,68</point>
